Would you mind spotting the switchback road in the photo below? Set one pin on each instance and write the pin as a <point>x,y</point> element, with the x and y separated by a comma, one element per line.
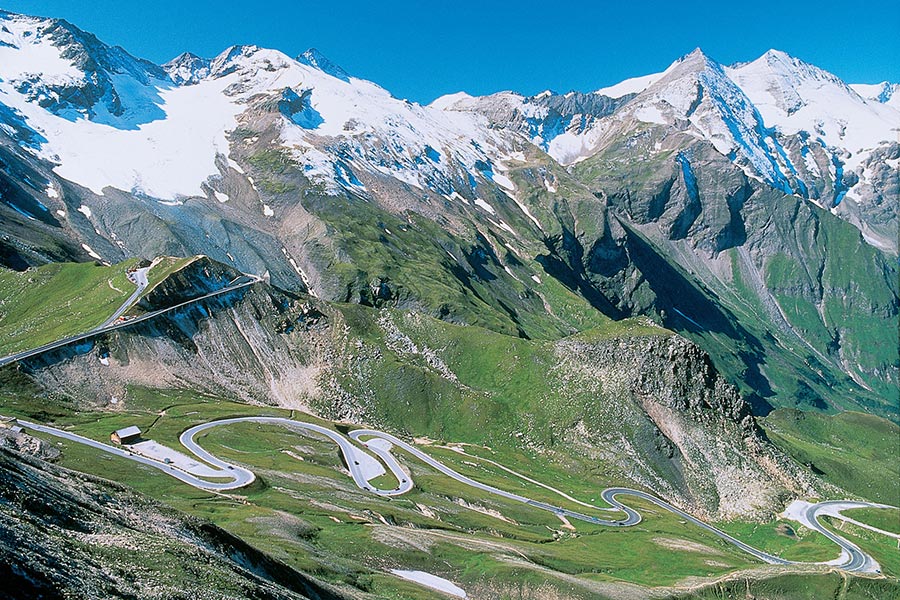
<point>358,462</point>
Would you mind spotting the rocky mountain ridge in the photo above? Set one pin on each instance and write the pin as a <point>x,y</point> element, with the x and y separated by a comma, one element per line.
<point>669,405</point>
<point>774,240</point>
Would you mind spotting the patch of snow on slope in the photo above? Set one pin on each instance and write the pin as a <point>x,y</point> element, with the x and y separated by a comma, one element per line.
<point>90,251</point>
<point>432,581</point>
<point>634,85</point>
<point>503,181</point>
<point>449,100</point>
<point>24,54</point>
<point>650,114</point>
<point>795,96</point>
<point>883,92</point>
<point>481,203</point>
<point>166,158</point>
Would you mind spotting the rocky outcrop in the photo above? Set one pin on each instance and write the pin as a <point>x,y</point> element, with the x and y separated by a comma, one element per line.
<point>68,535</point>
<point>245,345</point>
<point>652,408</point>
<point>668,418</point>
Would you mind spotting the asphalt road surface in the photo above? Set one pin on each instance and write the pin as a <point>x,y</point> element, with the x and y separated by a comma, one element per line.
<point>139,278</point>
<point>238,283</point>
<point>380,444</point>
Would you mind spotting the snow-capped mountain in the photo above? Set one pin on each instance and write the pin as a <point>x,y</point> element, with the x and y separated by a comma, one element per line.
<point>108,121</point>
<point>789,124</point>
<point>497,210</point>
<point>795,97</point>
<point>564,125</point>
<point>158,132</point>
<point>51,64</point>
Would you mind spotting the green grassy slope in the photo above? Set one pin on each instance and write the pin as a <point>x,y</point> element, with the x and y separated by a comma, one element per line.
<point>855,451</point>
<point>308,513</point>
<point>886,519</point>
<point>47,303</point>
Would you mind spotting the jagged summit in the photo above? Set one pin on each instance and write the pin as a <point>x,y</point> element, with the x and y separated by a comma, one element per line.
<point>164,132</point>
<point>51,64</point>
<point>187,68</point>
<point>314,58</point>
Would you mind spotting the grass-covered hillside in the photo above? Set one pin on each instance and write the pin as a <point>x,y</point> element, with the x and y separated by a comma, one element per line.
<point>47,303</point>
<point>855,451</point>
<point>623,403</point>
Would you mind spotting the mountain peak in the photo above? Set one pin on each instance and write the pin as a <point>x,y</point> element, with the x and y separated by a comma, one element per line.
<point>247,56</point>
<point>187,68</point>
<point>314,58</point>
<point>70,73</point>
<point>696,57</point>
<point>774,54</point>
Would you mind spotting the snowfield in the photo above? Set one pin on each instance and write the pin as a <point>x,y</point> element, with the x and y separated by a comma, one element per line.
<point>157,131</point>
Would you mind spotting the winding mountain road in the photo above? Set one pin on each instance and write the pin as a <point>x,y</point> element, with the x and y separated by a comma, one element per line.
<point>141,281</point>
<point>111,325</point>
<point>380,444</point>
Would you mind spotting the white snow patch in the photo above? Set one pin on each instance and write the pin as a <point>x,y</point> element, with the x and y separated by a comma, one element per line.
<point>536,278</point>
<point>221,196</point>
<point>635,85</point>
<point>267,210</point>
<point>504,181</point>
<point>23,54</point>
<point>431,581</point>
<point>481,203</point>
<point>51,192</point>
<point>85,210</point>
<point>300,272</point>
<point>61,213</point>
<point>525,210</point>
<point>164,158</point>
<point>650,114</point>
<point>446,102</point>
<point>91,252</point>
<point>235,166</point>
<point>457,196</point>
<point>503,225</point>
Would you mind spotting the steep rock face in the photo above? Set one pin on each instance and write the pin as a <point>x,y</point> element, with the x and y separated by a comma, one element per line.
<point>682,204</point>
<point>240,345</point>
<point>65,534</point>
<point>677,426</point>
<point>653,408</point>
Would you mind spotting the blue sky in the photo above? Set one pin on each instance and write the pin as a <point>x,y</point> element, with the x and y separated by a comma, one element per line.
<point>421,50</point>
